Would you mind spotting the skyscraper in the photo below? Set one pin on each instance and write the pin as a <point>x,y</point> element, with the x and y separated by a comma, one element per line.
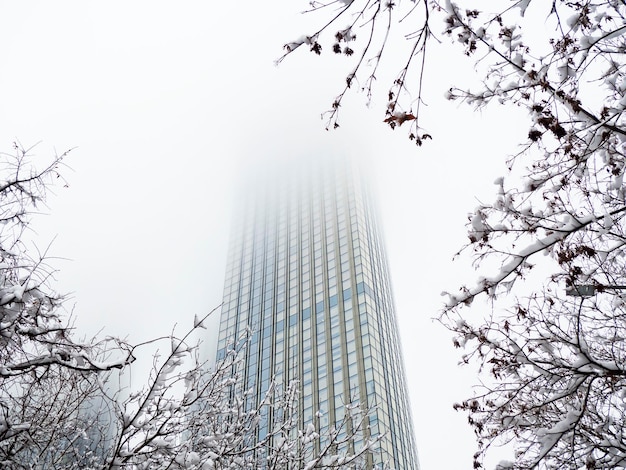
<point>307,273</point>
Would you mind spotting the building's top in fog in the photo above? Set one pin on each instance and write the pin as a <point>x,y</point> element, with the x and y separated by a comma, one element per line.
<point>307,273</point>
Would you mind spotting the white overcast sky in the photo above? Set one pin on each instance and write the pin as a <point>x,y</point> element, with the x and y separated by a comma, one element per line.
<point>164,102</point>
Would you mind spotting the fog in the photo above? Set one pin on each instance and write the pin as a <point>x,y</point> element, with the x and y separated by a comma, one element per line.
<point>166,105</point>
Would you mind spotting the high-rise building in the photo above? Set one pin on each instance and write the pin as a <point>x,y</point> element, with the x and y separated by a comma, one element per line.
<point>307,273</point>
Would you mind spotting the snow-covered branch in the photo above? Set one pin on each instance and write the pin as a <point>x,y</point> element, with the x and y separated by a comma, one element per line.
<point>555,365</point>
<point>63,405</point>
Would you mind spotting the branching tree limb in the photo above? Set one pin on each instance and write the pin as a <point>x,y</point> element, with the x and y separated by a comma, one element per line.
<point>62,407</point>
<point>553,365</point>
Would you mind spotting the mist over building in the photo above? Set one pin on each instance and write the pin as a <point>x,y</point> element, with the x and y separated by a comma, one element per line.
<point>307,274</point>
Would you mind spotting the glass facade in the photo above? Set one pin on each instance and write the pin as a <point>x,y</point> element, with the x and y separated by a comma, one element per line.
<point>307,275</point>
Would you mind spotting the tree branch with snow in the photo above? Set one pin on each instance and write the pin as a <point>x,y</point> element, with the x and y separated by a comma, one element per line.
<point>553,366</point>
